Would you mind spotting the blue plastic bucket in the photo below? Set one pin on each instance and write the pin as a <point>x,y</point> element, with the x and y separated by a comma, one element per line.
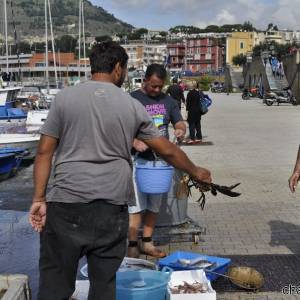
<point>152,179</point>
<point>142,285</point>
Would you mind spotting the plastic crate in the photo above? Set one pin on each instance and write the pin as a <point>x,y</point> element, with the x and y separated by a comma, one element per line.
<point>172,262</point>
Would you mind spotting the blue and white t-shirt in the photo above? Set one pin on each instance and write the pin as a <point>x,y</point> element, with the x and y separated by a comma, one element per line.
<point>163,110</point>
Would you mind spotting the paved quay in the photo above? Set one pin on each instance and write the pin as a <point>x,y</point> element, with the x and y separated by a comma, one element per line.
<point>257,146</point>
<point>250,143</point>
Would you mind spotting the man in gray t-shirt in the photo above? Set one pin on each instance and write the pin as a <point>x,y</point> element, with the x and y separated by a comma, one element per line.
<point>91,127</point>
<point>96,129</point>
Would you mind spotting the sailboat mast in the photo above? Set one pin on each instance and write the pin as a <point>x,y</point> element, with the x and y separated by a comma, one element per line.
<point>46,47</point>
<point>59,66</point>
<point>79,39</point>
<point>83,36</point>
<point>52,42</point>
<point>6,38</point>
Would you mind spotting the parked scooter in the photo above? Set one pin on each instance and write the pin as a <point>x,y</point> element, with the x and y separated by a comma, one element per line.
<point>284,96</point>
<point>218,87</point>
<point>252,93</point>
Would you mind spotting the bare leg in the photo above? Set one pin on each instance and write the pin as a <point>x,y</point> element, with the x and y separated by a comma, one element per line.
<point>135,221</point>
<point>147,243</point>
<point>134,225</point>
<point>149,223</point>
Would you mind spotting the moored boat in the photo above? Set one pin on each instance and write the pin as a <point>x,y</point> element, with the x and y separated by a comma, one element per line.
<point>9,112</point>
<point>7,163</point>
<point>36,117</point>
<point>27,141</point>
<point>10,161</point>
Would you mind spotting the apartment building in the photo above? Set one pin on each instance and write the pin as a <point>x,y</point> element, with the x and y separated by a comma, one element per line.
<point>196,55</point>
<point>143,53</point>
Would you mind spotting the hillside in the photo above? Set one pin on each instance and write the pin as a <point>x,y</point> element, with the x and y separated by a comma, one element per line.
<point>29,18</point>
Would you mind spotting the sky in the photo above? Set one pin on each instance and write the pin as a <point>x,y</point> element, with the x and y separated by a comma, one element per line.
<point>164,14</point>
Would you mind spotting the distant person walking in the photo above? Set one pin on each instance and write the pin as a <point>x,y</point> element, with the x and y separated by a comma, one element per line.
<point>274,65</point>
<point>280,70</point>
<point>194,114</point>
<point>175,91</point>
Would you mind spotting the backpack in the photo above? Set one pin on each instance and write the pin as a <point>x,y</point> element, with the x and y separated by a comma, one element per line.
<point>207,100</point>
<point>203,105</point>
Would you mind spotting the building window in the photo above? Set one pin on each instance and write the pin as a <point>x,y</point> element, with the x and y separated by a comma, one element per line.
<point>241,45</point>
<point>172,51</point>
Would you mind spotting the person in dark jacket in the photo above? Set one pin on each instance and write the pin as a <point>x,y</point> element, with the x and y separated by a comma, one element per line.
<point>176,92</point>
<point>194,114</point>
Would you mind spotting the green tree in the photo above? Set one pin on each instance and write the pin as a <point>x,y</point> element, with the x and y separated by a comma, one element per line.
<point>38,47</point>
<point>66,43</point>
<point>23,47</point>
<point>270,26</point>
<point>163,33</point>
<point>142,31</point>
<point>212,28</point>
<point>279,49</point>
<point>248,26</point>
<point>205,82</point>
<point>103,38</point>
<point>137,34</point>
<point>239,60</point>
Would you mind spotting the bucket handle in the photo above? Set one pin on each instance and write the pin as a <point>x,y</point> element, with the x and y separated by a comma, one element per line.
<point>167,269</point>
<point>156,159</point>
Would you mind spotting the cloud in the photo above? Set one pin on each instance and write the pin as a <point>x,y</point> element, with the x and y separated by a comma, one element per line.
<point>287,13</point>
<point>128,4</point>
<point>168,13</point>
<point>225,17</point>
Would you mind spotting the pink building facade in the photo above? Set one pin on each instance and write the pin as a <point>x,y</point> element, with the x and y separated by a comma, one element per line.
<point>197,55</point>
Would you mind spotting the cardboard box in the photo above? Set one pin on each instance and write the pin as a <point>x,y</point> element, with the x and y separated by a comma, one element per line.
<point>82,290</point>
<point>15,286</point>
<point>178,278</point>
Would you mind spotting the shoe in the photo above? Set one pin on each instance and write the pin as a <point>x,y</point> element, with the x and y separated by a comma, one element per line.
<point>198,140</point>
<point>133,250</point>
<point>190,142</point>
<point>148,248</point>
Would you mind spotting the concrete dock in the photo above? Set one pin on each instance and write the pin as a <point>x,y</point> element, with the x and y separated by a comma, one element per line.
<point>250,143</point>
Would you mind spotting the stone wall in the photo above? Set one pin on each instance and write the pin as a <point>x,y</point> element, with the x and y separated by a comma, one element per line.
<point>234,79</point>
<point>292,72</point>
<point>253,72</point>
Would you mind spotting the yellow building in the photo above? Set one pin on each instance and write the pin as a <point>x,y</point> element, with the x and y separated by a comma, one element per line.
<point>239,43</point>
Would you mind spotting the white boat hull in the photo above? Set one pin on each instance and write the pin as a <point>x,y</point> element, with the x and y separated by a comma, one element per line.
<point>13,121</point>
<point>26,141</point>
<point>36,117</point>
